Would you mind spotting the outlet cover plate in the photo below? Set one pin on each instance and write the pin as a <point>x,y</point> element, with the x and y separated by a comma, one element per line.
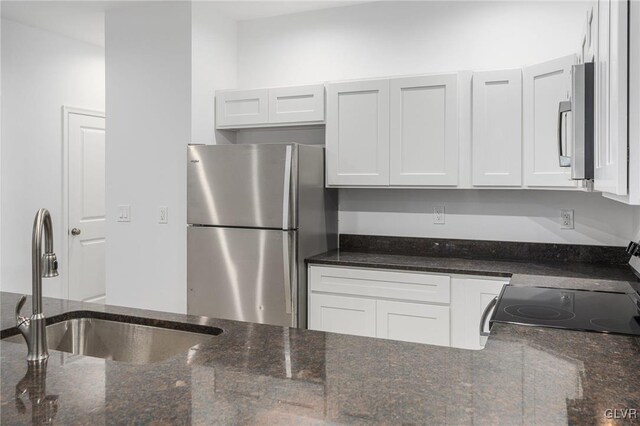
<point>566,219</point>
<point>438,215</point>
<point>163,215</point>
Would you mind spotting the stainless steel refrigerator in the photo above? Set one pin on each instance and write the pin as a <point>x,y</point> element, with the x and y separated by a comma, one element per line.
<point>254,213</point>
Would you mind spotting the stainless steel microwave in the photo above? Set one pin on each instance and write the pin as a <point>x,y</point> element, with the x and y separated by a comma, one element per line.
<point>581,139</point>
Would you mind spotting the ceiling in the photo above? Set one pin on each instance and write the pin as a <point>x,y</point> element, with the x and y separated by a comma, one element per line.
<point>84,20</point>
<point>243,10</point>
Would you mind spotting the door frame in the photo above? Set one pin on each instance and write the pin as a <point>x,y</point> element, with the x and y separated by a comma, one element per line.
<point>64,222</point>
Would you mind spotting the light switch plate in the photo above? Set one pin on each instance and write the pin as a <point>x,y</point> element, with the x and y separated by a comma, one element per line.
<point>124,213</point>
<point>163,214</point>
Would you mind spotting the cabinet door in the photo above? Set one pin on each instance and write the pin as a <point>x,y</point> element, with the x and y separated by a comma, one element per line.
<point>340,314</point>
<point>544,86</point>
<point>413,322</point>
<point>357,133</point>
<point>611,98</point>
<point>469,299</point>
<point>497,128</point>
<point>296,104</point>
<point>424,130</point>
<point>241,108</point>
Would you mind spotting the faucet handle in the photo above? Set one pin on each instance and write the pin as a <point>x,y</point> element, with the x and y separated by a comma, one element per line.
<point>20,319</point>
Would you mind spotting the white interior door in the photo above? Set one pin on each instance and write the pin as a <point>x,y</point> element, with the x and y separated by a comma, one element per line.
<point>86,197</point>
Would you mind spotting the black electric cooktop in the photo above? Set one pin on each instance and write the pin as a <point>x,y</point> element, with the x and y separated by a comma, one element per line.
<point>598,311</point>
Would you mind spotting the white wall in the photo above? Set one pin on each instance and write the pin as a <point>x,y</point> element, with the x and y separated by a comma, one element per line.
<point>393,38</point>
<point>214,66</point>
<point>506,215</point>
<point>41,72</point>
<point>148,68</point>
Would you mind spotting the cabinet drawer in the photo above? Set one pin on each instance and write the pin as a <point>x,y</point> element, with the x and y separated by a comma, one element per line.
<point>413,322</point>
<point>296,104</point>
<point>241,107</point>
<point>414,286</point>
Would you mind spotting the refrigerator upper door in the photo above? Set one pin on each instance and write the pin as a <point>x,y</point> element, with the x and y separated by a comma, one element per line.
<point>242,185</point>
<point>242,274</point>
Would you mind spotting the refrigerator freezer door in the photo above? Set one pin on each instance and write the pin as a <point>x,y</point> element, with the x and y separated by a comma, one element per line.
<point>242,274</point>
<point>242,185</point>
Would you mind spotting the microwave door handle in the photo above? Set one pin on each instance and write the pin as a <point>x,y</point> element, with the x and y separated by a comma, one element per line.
<point>485,316</point>
<point>563,108</point>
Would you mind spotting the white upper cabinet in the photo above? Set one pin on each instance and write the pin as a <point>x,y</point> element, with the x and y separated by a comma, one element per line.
<point>611,97</point>
<point>424,130</point>
<point>276,107</point>
<point>296,104</point>
<point>497,128</point>
<point>357,133</point>
<point>545,85</point>
<point>241,107</point>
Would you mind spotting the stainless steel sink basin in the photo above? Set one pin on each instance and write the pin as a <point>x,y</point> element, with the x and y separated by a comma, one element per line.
<point>120,341</point>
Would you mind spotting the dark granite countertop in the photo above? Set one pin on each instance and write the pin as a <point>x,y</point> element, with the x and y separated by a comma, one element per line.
<point>259,374</point>
<point>551,274</point>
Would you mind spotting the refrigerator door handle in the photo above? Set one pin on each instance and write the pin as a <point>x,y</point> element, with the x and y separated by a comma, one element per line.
<point>286,261</point>
<point>286,196</point>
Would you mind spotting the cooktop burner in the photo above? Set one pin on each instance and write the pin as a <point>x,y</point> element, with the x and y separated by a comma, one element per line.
<point>599,311</point>
<point>539,312</point>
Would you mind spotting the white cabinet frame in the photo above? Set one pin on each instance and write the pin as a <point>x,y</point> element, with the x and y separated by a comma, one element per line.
<point>393,304</point>
<point>273,107</point>
<point>611,93</point>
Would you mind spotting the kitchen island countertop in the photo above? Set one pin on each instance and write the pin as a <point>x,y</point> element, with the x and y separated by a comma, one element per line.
<point>260,374</point>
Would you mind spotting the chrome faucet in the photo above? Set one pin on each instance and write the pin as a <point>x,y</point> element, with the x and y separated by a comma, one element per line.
<point>43,266</point>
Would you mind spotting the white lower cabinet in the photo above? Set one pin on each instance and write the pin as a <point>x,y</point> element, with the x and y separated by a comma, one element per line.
<point>435,309</point>
<point>412,322</point>
<point>469,299</point>
<point>341,314</point>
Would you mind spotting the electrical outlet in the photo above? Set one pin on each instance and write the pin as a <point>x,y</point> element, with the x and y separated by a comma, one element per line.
<point>438,215</point>
<point>124,213</point>
<point>163,214</point>
<point>566,219</point>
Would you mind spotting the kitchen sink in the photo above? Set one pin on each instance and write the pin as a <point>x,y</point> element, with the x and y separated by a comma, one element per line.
<point>121,341</point>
